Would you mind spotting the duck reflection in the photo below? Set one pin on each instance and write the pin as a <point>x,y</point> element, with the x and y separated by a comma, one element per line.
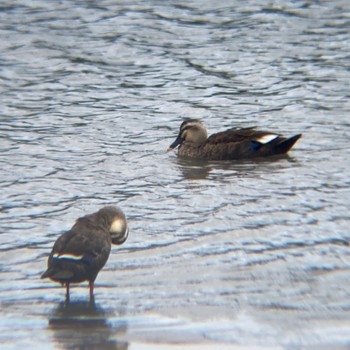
<point>84,325</point>
<point>196,169</point>
<point>193,169</point>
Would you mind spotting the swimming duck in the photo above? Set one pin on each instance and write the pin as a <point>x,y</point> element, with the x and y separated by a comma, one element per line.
<point>80,253</point>
<point>235,143</point>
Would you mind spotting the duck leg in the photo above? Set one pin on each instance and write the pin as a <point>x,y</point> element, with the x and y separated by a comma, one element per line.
<point>91,286</point>
<point>67,292</point>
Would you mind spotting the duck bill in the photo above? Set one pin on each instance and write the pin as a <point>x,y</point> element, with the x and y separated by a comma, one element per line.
<point>176,143</point>
<point>121,239</point>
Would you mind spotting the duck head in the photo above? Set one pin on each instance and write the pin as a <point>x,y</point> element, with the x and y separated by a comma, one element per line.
<point>118,228</point>
<point>191,131</point>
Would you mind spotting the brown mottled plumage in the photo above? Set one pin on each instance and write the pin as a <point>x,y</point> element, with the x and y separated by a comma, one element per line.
<point>235,143</point>
<point>80,253</point>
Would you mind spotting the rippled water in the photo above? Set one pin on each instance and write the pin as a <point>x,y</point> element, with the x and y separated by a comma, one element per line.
<point>224,255</point>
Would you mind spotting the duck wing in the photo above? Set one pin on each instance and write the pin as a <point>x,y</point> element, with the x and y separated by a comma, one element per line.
<point>78,252</point>
<point>71,244</point>
<point>241,134</point>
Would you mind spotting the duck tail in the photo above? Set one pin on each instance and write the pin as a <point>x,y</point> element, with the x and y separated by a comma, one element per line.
<point>287,144</point>
<point>46,274</point>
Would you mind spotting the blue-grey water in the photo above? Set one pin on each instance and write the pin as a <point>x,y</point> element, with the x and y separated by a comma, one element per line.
<point>230,255</point>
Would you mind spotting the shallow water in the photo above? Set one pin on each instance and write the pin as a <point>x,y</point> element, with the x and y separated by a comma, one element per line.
<point>221,255</point>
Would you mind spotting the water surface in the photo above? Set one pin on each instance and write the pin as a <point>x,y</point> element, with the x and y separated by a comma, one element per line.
<point>221,255</point>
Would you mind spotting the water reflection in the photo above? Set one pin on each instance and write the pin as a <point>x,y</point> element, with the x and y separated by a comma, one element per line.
<point>197,169</point>
<point>193,169</point>
<point>84,325</point>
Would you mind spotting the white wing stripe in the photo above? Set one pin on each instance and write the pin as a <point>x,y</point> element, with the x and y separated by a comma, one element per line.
<point>267,138</point>
<point>68,256</point>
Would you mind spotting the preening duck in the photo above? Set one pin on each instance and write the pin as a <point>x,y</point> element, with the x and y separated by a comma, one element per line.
<point>80,253</point>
